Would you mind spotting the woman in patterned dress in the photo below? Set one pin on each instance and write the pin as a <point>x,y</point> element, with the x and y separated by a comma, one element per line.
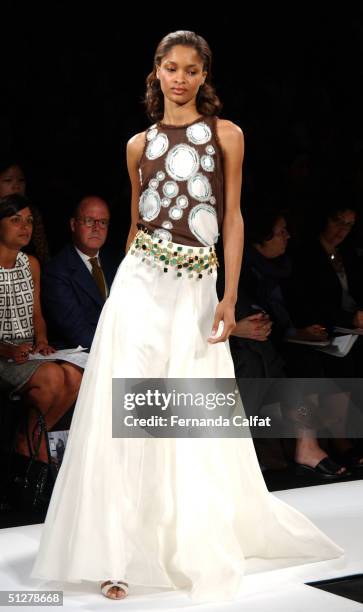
<point>50,387</point>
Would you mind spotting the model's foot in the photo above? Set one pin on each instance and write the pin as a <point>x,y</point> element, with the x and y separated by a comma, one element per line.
<point>114,589</point>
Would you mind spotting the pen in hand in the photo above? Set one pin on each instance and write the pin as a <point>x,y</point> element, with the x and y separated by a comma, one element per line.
<point>18,352</point>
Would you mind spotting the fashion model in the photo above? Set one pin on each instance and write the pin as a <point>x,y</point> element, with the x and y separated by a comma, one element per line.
<point>164,512</point>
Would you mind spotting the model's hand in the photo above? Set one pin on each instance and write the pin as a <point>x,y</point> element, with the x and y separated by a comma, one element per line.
<point>255,327</point>
<point>43,348</point>
<point>225,313</point>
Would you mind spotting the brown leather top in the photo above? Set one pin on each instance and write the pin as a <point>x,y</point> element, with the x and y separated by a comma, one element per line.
<point>181,175</point>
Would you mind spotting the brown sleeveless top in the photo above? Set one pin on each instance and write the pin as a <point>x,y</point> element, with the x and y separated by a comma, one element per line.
<point>181,175</point>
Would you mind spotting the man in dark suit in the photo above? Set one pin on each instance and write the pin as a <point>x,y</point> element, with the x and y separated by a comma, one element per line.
<point>77,281</point>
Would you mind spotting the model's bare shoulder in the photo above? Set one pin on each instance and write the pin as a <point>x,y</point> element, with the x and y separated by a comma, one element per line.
<point>227,129</point>
<point>135,146</point>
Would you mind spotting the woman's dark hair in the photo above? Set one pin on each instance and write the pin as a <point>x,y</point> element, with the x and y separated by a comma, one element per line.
<point>260,225</point>
<point>208,102</point>
<point>11,204</point>
<point>322,207</point>
<point>9,162</point>
<point>38,244</point>
<point>330,211</point>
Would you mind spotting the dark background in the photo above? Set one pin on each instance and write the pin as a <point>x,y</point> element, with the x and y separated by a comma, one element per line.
<point>72,81</point>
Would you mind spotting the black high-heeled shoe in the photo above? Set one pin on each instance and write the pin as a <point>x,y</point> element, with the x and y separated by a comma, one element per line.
<point>327,468</point>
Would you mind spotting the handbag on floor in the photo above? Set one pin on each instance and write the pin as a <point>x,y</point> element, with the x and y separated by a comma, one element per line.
<point>30,481</point>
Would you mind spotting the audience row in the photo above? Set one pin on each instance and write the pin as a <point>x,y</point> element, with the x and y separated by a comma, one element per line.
<point>288,308</point>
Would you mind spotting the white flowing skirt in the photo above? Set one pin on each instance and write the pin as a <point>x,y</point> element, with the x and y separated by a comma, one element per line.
<point>171,513</point>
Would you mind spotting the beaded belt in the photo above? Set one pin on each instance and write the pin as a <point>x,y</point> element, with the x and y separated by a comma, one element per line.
<point>193,261</point>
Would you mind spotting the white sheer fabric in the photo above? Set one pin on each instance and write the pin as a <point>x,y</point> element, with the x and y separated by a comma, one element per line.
<point>175,513</point>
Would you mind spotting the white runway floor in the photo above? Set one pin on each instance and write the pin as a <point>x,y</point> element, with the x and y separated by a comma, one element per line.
<point>335,508</point>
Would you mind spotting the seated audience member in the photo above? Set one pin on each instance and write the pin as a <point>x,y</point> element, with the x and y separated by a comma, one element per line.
<point>77,281</point>
<point>326,285</point>
<point>266,267</point>
<point>50,387</point>
<point>12,180</point>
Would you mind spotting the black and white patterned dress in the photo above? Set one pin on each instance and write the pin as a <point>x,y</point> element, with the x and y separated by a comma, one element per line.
<point>16,321</point>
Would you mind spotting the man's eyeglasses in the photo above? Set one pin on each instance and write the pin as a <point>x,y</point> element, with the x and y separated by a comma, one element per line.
<point>90,222</point>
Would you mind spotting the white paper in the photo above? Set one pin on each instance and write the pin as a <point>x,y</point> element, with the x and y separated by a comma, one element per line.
<point>340,346</point>
<point>316,343</point>
<point>77,356</point>
<point>356,331</point>
<point>78,359</point>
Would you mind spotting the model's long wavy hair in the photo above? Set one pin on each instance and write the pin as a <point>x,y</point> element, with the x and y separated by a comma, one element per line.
<point>208,102</point>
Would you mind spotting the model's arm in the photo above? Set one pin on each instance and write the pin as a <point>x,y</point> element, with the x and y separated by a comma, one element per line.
<point>40,331</point>
<point>135,147</point>
<point>232,143</point>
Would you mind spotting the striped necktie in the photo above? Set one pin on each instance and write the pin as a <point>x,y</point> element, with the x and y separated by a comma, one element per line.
<point>98,276</point>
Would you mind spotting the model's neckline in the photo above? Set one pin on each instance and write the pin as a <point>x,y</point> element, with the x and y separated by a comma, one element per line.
<point>182,125</point>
